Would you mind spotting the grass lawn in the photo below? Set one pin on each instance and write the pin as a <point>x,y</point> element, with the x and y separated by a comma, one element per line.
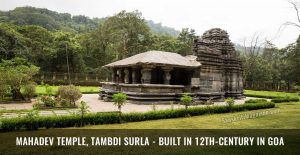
<point>286,115</point>
<point>41,90</point>
<point>270,94</point>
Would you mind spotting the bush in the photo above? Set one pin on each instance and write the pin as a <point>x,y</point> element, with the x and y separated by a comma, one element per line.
<point>256,101</point>
<point>48,101</point>
<point>285,99</point>
<point>64,103</point>
<point>230,102</point>
<point>33,123</point>
<point>69,93</point>
<point>119,99</point>
<point>4,90</point>
<point>29,91</point>
<point>186,100</point>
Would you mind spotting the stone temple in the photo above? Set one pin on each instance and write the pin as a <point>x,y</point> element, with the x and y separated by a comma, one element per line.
<point>212,72</point>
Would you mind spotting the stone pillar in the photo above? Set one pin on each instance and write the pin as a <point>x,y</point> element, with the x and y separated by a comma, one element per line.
<point>120,76</point>
<point>133,75</point>
<point>114,75</point>
<point>167,75</point>
<point>65,76</point>
<point>146,75</point>
<point>76,76</point>
<point>54,76</point>
<point>126,76</point>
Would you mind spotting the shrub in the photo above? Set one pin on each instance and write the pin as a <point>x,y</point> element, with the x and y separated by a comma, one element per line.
<point>285,99</point>
<point>119,100</point>
<point>69,93</point>
<point>29,90</point>
<point>4,90</point>
<point>83,110</point>
<point>256,101</point>
<point>186,100</point>
<point>48,101</point>
<point>230,102</point>
<point>64,103</point>
<point>33,122</point>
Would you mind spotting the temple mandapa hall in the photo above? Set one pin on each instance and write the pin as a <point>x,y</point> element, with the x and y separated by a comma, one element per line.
<point>212,72</point>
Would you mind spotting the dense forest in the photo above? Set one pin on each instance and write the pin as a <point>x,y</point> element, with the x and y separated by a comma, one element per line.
<point>48,39</point>
<point>44,37</point>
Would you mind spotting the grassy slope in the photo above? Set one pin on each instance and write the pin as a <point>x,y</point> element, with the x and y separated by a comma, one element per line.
<point>288,117</point>
<point>40,90</point>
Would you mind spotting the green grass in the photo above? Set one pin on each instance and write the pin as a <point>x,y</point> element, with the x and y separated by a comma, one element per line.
<point>41,89</point>
<point>287,118</point>
<point>14,110</point>
<point>270,94</point>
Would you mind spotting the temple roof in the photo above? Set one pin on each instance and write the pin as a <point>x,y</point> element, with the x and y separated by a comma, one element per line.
<point>157,58</point>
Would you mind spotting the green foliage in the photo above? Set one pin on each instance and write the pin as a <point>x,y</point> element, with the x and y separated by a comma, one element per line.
<point>268,94</point>
<point>11,124</point>
<point>4,89</point>
<point>83,110</point>
<point>119,100</point>
<point>29,90</point>
<point>49,90</point>
<point>285,99</point>
<point>230,102</point>
<point>186,100</point>
<point>64,103</point>
<point>48,101</point>
<point>256,101</point>
<point>16,73</point>
<point>69,93</point>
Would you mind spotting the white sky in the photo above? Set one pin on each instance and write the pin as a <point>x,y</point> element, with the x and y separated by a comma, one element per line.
<point>241,18</point>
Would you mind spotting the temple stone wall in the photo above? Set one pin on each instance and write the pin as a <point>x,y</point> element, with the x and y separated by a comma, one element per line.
<point>221,71</point>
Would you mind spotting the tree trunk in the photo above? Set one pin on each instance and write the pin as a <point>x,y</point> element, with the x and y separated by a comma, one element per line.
<point>119,107</point>
<point>16,93</point>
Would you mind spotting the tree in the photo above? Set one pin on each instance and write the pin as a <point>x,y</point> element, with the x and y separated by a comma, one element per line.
<point>186,38</point>
<point>119,100</point>
<point>127,34</point>
<point>83,109</point>
<point>297,23</point>
<point>69,93</point>
<point>16,73</point>
<point>12,43</point>
<point>65,43</point>
<point>186,100</point>
<point>292,53</point>
<point>165,43</point>
<point>39,44</point>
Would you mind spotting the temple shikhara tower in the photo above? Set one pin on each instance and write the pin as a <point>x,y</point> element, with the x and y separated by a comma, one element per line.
<point>212,72</point>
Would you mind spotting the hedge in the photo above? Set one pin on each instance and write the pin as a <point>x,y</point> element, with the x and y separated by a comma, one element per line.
<point>11,124</point>
<point>260,96</point>
<point>256,101</point>
<point>285,99</point>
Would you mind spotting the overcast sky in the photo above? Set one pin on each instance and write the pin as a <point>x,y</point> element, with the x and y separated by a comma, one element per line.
<point>240,18</point>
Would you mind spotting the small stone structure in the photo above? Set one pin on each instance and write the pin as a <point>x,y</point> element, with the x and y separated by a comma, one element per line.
<point>212,72</point>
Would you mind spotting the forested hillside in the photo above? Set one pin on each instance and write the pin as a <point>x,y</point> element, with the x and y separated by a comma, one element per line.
<point>52,20</point>
<point>46,38</point>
